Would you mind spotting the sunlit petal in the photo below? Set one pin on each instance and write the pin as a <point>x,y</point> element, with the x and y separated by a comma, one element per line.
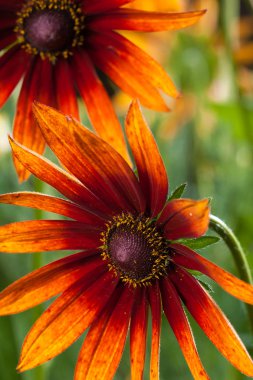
<point>212,321</point>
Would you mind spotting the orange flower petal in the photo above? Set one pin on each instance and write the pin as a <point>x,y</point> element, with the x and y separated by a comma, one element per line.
<point>65,90</point>
<point>47,235</point>
<point>185,218</point>
<point>52,204</point>
<point>144,21</point>
<point>212,321</point>
<point>62,181</point>
<point>106,172</point>
<point>104,344</point>
<point>138,334</point>
<point>12,66</point>
<point>46,282</point>
<point>126,77</point>
<point>178,321</point>
<point>186,257</point>
<point>66,319</point>
<point>97,6</point>
<point>37,84</point>
<point>155,305</point>
<point>150,166</point>
<point>143,65</point>
<point>98,103</point>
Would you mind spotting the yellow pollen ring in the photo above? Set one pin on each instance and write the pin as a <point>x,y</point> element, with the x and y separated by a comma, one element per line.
<point>31,6</point>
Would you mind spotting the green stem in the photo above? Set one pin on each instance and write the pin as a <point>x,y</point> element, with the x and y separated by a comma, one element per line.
<point>237,251</point>
<point>37,262</point>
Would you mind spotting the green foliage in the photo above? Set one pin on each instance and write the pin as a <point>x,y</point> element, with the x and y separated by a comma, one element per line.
<point>199,243</point>
<point>178,192</point>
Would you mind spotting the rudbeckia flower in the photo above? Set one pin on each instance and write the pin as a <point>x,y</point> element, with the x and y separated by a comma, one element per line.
<point>57,46</point>
<point>131,257</point>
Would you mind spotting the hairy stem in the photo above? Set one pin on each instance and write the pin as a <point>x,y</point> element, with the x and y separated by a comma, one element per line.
<point>237,252</point>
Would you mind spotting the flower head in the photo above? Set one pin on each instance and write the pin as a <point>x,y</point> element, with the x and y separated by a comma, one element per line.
<point>131,257</point>
<point>57,45</point>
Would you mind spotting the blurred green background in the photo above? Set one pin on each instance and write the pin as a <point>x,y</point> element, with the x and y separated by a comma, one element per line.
<point>206,141</point>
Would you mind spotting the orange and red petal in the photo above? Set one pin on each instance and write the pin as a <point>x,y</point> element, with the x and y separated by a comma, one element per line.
<point>151,170</point>
<point>143,65</point>
<point>184,256</point>
<point>66,319</point>
<point>155,305</point>
<point>47,235</point>
<point>212,321</point>
<point>25,130</point>
<point>94,162</point>
<point>102,349</point>
<point>7,20</point>
<point>178,321</point>
<point>13,65</point>
<point>11,5</point>
<point>61,180</point>
<point>145,21</point>
<point>113,170</point>
<point>53,204</point>
<point>65,89</point>
<point>127,78</point>
<point>99,107</point>
<point>48,281</point>
<point>138,333</point>
<point>7,38</point>
<point>101,6</point>
<point>185,218</point>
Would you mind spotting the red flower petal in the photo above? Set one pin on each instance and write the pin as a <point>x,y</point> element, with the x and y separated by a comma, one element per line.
<point>7,20</point>
<point>52,204</point>
<point>145,21</point>
<point>143,65</point>
<point>138,334</point>
<point>155,304</point>
<point>47,235</point>
<point>11,5</point>
<point>65,90</point>
<point>104,344</point>
<point>46,282</point>
<point>98,103</point>
<point>186,257</point>
<point>66,319</point>
<point>97,6</point>
<point>150,166</point>
<point>106,173</point>
<point>25,130</point>
<point>7,38</point>
<point>58,178</point>
<point>212,321</point>
<point>12,66</point>
<point>126,77</point>
<point>185,218</point>
<point>178,321</point>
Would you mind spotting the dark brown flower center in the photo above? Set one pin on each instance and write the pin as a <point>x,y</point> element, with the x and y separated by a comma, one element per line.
<point>49,31</point>
<point>135,249</point>
<point>50,27</point>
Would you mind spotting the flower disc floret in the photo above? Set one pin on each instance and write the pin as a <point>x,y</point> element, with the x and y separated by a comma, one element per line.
<point>50,28</point>
<point>135,249</point>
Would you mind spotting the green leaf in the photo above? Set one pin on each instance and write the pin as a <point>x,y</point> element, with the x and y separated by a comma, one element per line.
<point>178,192</point>
<point>202,279</point>
<point>205,284</point>
<point>199,243</point>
